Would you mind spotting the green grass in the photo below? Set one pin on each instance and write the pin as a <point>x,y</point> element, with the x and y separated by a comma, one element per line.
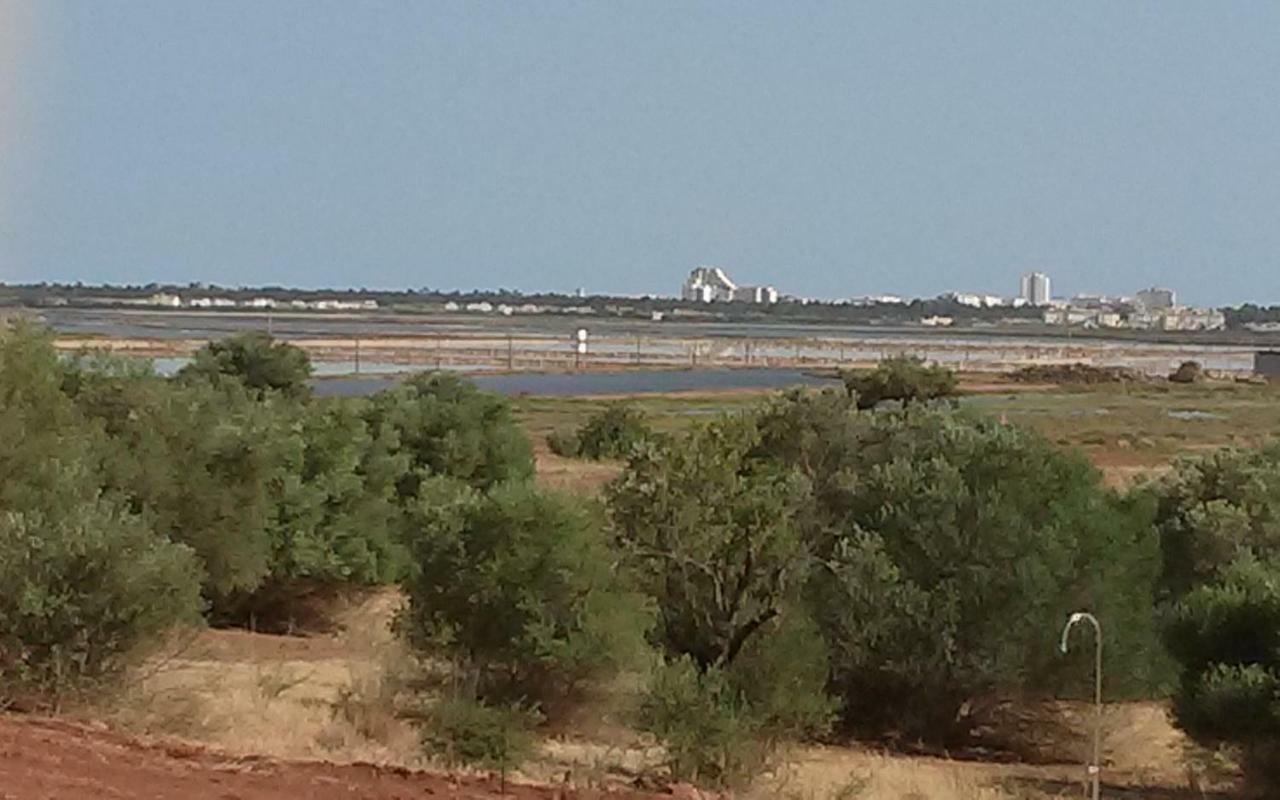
<point>668,413</point>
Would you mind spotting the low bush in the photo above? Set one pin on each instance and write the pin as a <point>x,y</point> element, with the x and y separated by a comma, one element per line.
<point>462,732</point>
<point>708,730</point>
<point>517,587</point>
<point>613,432</point>
<point>564,444</point>
<point>1187,372</point>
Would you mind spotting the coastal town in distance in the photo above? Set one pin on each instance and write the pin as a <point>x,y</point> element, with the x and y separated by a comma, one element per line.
<point>711,321</point>
<point>707,293</point>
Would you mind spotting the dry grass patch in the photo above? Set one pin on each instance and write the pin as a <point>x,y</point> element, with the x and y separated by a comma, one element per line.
<point>847,774</point>
<point>330,698</point>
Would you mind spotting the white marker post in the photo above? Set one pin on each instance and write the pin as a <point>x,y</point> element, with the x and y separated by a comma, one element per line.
<point>580,349</point>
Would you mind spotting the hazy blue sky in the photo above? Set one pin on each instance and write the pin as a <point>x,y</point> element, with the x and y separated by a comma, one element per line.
<point>832,149</point>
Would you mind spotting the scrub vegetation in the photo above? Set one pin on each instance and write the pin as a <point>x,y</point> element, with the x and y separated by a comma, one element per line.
<point>760,573</point>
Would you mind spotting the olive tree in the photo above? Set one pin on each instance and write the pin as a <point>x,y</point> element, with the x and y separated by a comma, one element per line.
<point>713,536</point>
<point>905,378</point>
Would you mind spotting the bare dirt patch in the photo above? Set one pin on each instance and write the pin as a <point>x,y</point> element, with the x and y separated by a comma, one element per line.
<point>47,758</point>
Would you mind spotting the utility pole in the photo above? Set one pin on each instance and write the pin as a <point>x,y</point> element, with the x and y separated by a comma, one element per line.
<point>1095,768</point>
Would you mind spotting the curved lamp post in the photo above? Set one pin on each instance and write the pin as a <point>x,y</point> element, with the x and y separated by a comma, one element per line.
<point>1095,768</point>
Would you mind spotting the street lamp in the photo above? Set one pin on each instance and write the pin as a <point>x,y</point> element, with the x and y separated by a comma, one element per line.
<point>1095,768</point>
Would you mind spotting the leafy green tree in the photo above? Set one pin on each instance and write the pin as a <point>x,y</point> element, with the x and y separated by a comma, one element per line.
<point>1214,508</point>
<point>517,586</point>
<point>203,463</point>
<point>445,426</point>
<point>905,378</point>
<point>335,518</point>
<point>950,551</point>
<point>711,534</point>
<point>256,360</point>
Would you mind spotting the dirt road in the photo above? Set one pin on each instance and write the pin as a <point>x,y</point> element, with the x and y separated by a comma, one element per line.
<point>49,759</point>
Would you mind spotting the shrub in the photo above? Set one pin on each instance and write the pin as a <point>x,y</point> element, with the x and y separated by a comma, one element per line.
<point>950,550</point>
<point>722,725</point>
<point>1217,518</point>
<point>256,360</point>
<point>81,590</point>
<point>463,732</point>
<point>1225,634</point>
<point>613,432</point>
<point>517,587</point>
<point>905,378</point>
<point>1213,508</point>
<point>83,582</point>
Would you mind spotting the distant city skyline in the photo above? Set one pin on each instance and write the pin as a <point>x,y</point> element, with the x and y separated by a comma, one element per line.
<point>832,150</point>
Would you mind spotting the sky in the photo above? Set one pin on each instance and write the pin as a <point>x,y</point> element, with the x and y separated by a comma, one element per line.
<point>831,149</point>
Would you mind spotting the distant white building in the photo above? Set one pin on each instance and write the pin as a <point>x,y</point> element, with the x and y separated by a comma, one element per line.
<point>1071,316</point>
<point>755,294</point>
<point>978,300</point>
<point>1034,289</point>
<point>211,302</point>
<point>1179,319</point>
<point>1155,299</point>
<point>712,285</point>
<point>166,300</point>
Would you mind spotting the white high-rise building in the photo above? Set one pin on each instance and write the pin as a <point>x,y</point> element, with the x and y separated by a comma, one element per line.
<point>1034,289</point>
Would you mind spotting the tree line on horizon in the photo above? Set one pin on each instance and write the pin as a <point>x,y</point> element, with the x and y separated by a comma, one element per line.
<point>822,565</point>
